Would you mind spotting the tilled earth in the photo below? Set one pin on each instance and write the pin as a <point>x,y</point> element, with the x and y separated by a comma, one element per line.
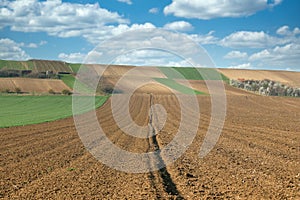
<point>256,157</point>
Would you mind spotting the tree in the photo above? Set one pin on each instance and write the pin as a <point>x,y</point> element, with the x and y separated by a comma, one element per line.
<point>51,91</point>
<point>66,92</point>
<point>17,90</point>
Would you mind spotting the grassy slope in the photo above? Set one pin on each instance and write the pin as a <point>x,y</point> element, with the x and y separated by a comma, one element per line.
<point>23,110</point>
<point>7,64</point>
<point>75,67</point>
<point>69,80</point>
<point>188,73</point>
<point>42,65</point>
<point>191,73</point>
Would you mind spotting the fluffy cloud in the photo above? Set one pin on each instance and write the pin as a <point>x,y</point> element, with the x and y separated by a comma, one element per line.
<point>260,39</point>
<point>10,50</point>
<point>72,57</point>
<point>236,54</point>
<point>285,56</point>
<point>242,66</point>
<point>208,38</point>
<point>55,17</point>
<point>119,48</point>
<point>148,58</point>
<point>126,1</point>
<point>217,8</point>
<point>154,10</point>
<point>95,36</point>
<point>179,26</point>
<point>285,31</point>
<point>248,39</point>
<point>32,45</point>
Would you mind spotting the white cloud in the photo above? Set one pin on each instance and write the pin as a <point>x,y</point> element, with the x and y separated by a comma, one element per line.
<point>129,2</point>
<point>241,66</point>
<point>284,56</point>
<point>208,38</point>
<point>151,58</point>
<point>236,55</point>
<point>217,8</point>
<point>72,57</point>
<point>154,10</point>
<point>32,45</point>
<point>179,26</point>
<point>141,39</point>
<point>43,42</point>
<point>285,31</point>
<point>55,17</point>
<point>248,39</point>
<point>95,36</point>
<point>10,50</point>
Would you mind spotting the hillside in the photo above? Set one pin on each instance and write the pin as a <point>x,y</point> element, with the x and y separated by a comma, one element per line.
<point>37,65</point>
<point>161,79</point>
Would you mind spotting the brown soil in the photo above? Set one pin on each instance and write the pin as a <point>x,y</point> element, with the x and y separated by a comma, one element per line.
<point>285,77</point>
<point>256,157</point>
<point>32,85</point>
<point>121,70</point>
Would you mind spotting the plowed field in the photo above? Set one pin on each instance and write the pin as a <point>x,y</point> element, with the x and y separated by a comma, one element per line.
<point>256,157</point>
<point>33,85</point>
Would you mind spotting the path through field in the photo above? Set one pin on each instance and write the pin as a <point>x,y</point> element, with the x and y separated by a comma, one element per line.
<point>256,157</point>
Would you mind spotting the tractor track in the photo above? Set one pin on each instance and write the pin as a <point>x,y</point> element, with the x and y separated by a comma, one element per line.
<point>169,186</point>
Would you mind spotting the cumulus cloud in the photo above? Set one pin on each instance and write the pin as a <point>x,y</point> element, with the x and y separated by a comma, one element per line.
<point>217,8</point>
<point>249,39</point>
<point>285,31</point>
<point>236,55</point>
<point>154,10</point>
<point>286,56</point>
<point>242,66</point>
<point>179,26</point>
<point>95,36</point>
<point>55,17</point>
<point>11,50</point>
<point>32,45</point>
<point>129,2</point>
<point>208,38</point>
<point>72,57</point>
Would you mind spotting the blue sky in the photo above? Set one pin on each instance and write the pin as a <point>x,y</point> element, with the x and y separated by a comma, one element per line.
<point>249,34</point>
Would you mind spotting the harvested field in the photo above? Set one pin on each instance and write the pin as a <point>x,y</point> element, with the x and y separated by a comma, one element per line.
<point>32,85</point>
<point>285,77</point>
<point>121,70</point>
<point>256,157</point>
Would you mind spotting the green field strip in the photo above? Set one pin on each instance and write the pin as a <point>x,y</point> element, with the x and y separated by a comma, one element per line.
<point>69,80</point>
<point>24,110</point>
<point>177,86</point>
<point>191,73</point>
<point>75,67</point>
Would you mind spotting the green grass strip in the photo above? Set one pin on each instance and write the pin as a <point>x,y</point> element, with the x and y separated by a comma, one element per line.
<point>24,110</point>
<point>191,73</point>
